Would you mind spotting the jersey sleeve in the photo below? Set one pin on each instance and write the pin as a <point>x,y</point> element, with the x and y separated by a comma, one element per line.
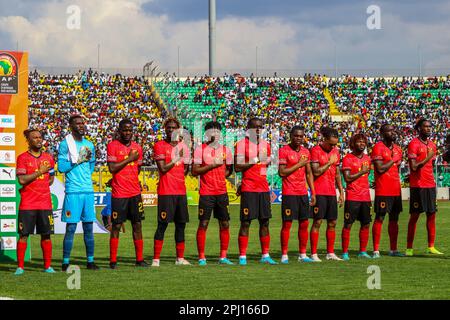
<point>338,154</point>
<point>158,152</point>
<point>314,155</point>
<point>141,156</point>
<point>92,161</point>
<point>111,152</point>
<point>282,158</point>
<point>412,150</point>
<point>64,164</point>
<point>51,171</point>
<point>346,163</point>
<point>376,153</point>
<point>21,167</point>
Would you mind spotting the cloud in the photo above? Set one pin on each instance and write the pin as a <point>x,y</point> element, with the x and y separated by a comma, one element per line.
<point>130,36</point>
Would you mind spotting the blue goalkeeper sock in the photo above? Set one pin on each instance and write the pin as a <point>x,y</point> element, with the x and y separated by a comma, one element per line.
<point>88,229</point>
<point>68,241</point>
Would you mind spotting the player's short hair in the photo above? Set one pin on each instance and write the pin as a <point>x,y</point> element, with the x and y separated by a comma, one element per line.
<point>252,119</point>
<point>355,138</point>
<point>383,127</point>
<point>124,122</point>
<point>328,132</point>
<point>75,116</point>
<point>295,128</point>
<point>213,125</point>
<point>27,132</point>
<point>420,122</point>
<point>172,119</point>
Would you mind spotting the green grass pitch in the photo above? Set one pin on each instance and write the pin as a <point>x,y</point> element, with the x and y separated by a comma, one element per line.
<point>418,277</point>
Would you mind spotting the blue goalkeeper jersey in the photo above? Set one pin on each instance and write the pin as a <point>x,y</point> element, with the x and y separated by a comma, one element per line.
<point>78,176</point>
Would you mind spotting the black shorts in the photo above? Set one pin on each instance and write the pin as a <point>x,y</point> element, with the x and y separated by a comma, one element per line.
<point>255,205</point>
<point>422,200</point>
<point>326,208</point>
<point>357,210</point>
<point>218,203</point>
<point>295,208</point>
<point>173,209</point>
<point>42,220</point>
<point>127,208</point>
<point>388,204</point>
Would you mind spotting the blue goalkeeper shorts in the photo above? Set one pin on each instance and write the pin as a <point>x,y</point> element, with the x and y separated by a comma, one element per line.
<point>78,207</point>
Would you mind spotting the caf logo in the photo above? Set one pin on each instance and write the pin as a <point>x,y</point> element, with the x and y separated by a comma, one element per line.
<point>200,212</point>
<point>114,215</point>
<point>416,205</point>
<point>288,212</point>
<point>316,210</point>
<point>245,211</point>
<point>383,205</point>
<point>163,214</point>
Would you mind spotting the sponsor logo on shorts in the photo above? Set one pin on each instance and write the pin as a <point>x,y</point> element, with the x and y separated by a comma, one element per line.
<point>316,210</point>
<point>288,212</point>
<point>347,215</point>
<point>383,205</point>
<point>20,226</point>
<point>245,211</point>
<point>416,205</point>
<point>200,212</point>
<point>163,214</point>
<point>114,215</point>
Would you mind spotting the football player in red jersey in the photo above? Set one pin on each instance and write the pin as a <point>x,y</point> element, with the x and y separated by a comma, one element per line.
<point>213,163</point>
<point>325,160</point>
<point>387,157</point>
<point>172,157</point>
<point>421,155</point>
<point>35,172</point>
<point>124,162</point>
<point>356,168</point>
<point>252,157</point>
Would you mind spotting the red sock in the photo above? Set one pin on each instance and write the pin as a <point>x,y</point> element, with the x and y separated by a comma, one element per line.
<point>363,239</point>
<point>393,234</point>
<point>157,245</point>
<point>376,234</point>
<point>431,228</point>
<point>411,230</point>
<point>243,244</point>
<point>331,238</point>
<point>180,250</point>
<point>314,235</point>
<point>21,248</point>
<point>201,239</point>
<point>345,239</point>
<point>284,236</point>
<point>224,241</point>
<point>139,249</point>
<point>46,246</point>
<point>265,244</point>
<point>113,245</point>
<point>302,235</point>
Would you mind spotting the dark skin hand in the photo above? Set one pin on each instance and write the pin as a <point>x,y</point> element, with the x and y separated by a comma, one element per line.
<point>297,140</point>
<point>424,134</point>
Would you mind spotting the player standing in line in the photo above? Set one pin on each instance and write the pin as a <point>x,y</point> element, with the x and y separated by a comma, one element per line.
<point>172,157</point>
<point>387,157</point>
<point>213,162</point>
<point>356,168</point>
<point>421,155</point>
<point>124,162</point>
<point>295,170</point>
<point>76,159</point>
<point>252,157</point>
<point>35,172</point>
<point>325,167</point>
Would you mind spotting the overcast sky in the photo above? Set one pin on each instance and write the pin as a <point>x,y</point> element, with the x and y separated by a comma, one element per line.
<point>289,34</point>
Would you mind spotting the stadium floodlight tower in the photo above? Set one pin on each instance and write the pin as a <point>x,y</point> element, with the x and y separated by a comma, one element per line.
<point>212,37</point>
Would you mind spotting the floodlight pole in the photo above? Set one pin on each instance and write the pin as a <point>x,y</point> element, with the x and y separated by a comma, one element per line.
<point>212,37</point>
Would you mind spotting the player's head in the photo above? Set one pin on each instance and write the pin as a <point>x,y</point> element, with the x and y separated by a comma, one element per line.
<point>358,142</point>
<point>170,125</point>
<point>213,131</point>
<point>34,139</point>
<point>126,130</point>
<point>254,126</point>
<point>423,127</point>
<point>76,124</point>
<point>388,133</point>
<point>297,135</point>
<point>329,138</point>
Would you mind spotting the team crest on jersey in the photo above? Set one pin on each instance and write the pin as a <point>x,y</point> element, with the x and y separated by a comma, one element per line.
<point>114,214</point>
<point>20,226</point>
<point>163,214</point>
<point>68,214</point>
<point>416,205</point>
<point>304,157</point>
<point>46,163</point>
<point>288,212</point>
<point>347,215</point>
<point>383,205</point>
<point>245,211</point>
<point>200,211</point>
<point>316,210</point>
